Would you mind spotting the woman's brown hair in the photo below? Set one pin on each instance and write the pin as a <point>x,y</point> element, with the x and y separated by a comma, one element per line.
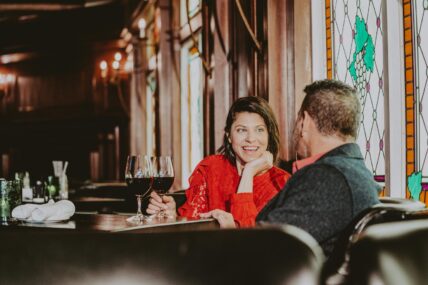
<point>258,106</point>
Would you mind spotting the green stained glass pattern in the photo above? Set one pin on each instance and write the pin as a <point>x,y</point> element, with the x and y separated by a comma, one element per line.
<point>414,183</point>
<point>358,60</point>
<point>420,8</point>
<point>364,51</point>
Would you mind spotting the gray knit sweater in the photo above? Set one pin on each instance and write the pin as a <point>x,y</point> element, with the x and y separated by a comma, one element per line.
<point>324,197</point>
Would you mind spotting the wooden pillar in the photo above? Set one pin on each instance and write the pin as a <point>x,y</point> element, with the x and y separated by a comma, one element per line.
<point>289,48</point>
<point>138,101</point>
<point>222,68</point>
<point>281,70</point>
<point>302,48</point>
<point>168,101</point>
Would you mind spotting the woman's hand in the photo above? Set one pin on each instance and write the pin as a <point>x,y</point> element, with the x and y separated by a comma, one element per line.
<point>224,218</point>
<point>259,165</point>
<point>253,168</point>
<point>158,203</point>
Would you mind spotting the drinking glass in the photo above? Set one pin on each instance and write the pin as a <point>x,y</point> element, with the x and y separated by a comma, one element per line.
<point>138,177</point>
<point>163,177</point>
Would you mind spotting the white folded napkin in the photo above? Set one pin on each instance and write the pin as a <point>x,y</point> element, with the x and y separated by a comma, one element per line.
<point>23,211</point>
<point>61,210</point>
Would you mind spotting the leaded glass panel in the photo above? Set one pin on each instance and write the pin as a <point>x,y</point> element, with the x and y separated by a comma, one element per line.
<point>194,7</point>
<point>358,60</point>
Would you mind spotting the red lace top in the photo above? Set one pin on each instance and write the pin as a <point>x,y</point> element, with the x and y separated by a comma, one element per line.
<point>213,185</point>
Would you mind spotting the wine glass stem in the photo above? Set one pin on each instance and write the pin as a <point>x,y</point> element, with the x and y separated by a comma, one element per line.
<point>139,212</point>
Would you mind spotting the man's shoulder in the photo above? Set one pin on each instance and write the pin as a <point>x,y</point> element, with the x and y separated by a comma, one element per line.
<point>323,176</point>
<point>318,169</point>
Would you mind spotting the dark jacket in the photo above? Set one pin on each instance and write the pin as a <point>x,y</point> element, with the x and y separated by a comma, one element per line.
<point>323,197</point>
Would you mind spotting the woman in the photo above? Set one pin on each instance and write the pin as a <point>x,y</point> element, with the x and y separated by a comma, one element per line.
<point>239,181</point>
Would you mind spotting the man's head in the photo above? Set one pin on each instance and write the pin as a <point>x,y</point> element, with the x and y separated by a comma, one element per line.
<point>330,110</point>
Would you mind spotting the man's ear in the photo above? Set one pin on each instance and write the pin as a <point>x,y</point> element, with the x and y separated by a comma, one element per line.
<point>306,121</point>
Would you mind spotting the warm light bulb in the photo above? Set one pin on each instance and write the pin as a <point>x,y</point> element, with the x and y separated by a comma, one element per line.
<point>142,27</point>
<point>142,24</point>
<point>117,56</point>
<point>115,65</point>
<point>103,65</point>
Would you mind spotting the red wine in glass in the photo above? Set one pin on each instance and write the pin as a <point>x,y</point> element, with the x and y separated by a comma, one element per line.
<point>163,177</point>
<point>139,185</point>
<point>138,177</point>
<point>161,185</point>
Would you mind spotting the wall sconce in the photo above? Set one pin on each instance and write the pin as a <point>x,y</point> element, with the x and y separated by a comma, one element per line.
<point>114,75</point>
<point>117,68</point>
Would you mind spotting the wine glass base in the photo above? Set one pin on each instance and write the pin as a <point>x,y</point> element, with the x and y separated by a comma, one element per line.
<point>137,219</point>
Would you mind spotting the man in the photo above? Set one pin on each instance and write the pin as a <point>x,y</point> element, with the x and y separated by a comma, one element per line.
<point>331,184</point>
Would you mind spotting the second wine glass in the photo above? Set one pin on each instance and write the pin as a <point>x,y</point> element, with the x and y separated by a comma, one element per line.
<point>163,176</point>
<point>138,176</point>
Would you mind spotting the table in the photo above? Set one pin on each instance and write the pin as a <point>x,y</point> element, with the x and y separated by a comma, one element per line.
<point>116,223</point>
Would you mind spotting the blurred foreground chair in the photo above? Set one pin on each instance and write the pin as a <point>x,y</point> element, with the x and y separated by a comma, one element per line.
<point>391,253</point>
<point>285,255</point>
<point>335,271</point>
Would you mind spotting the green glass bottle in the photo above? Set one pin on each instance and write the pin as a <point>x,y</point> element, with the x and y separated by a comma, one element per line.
<point>4,202</point>
<point>51,187</point>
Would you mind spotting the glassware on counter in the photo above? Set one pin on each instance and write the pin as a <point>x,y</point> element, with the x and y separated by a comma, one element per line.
<point>139,177</point>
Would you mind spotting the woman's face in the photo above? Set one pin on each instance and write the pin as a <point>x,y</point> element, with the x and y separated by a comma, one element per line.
<point>249,137</point>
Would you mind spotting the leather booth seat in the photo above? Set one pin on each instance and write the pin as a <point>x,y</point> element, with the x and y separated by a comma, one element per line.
<point>247,256</point>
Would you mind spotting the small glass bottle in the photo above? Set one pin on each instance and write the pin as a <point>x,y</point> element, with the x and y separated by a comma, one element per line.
<point>63,187</point>
<point>39,193</point>
<point>4,202</point>
<point>51,188</point>
<point>27,192</point>
<point>15,194</point>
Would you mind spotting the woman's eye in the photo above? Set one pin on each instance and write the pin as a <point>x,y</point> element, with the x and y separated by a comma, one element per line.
<point>261,130</point>
<point>240,130</point>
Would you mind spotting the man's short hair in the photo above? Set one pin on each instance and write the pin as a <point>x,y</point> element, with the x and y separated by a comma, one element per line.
<point>334,106</point>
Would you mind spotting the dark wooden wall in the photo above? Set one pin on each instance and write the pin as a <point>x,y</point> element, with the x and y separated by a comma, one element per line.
<point>60,110</point>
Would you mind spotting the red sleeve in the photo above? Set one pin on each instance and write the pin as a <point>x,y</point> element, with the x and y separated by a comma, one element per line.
<point>245,206</point>
<point>243,209</point>
<point>197,195</point>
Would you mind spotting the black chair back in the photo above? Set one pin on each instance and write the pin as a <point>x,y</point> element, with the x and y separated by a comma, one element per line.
<point>391,253</point>
<point>335,270</point>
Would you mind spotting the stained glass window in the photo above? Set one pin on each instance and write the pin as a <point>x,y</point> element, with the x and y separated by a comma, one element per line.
<point>151,113</point>
<point>420,30</point>
<point>357,46</point>
<point>193,8</point>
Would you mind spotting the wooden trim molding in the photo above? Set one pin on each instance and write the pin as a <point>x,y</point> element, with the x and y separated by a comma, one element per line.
<point>329,39</point>
<point>410,89</point>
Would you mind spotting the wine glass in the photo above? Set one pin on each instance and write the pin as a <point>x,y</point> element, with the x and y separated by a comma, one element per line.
<point>163,177</point>
<point>138,177</point>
